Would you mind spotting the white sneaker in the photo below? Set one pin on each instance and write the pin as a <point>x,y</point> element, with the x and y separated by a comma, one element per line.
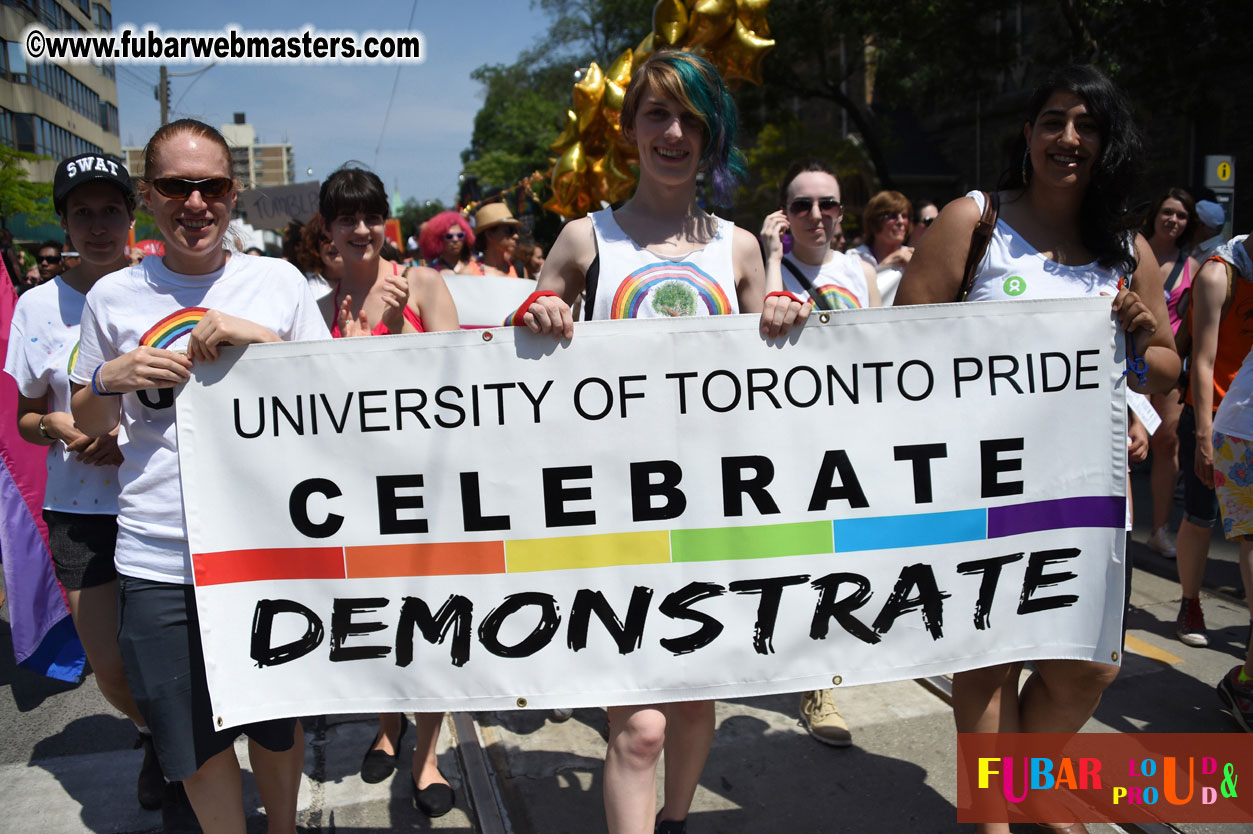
<point>1162,542</point>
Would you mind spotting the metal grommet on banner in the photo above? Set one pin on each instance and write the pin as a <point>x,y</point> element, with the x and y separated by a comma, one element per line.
<point>522,703</point>
<point>219,721</point>
<point>824,318</point>
<point>837,680</point>
<point>1113,656</point>
<point>487,335</point>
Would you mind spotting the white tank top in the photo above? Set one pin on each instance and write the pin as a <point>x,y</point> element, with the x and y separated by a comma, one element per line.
<point>1014,269</point>
<point>636,283</point>
<point>840,281</point>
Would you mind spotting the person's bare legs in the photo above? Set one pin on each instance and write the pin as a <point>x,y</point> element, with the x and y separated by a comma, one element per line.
<point>389,733</point>
<point>425,764</point>
<point>216,795</point>
<point>637,736</point>
<point>986,701</point>
<point>1164,445</point>
<point>1192,548</point>
<point>278,781</point>
<point>94,611</point>
<point>689,735</point>
<point>1061,695</point>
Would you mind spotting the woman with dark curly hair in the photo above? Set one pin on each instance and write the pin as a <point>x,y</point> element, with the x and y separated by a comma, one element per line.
<point>1062,231</point>
<point>446,242</point>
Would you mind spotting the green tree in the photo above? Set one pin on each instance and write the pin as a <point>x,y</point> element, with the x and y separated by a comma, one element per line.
<point>525,102</point>
<point>417,212</point>
<point>18,195</point>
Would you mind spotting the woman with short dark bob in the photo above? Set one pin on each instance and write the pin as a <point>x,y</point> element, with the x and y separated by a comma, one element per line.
<point>395,300</point>
<point>130,360</point>
<point>1062,231</point>
<point>682,121</point>
<point>376,296</point>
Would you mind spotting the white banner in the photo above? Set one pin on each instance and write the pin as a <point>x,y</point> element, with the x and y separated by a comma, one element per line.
<point>486,300</point>
<point>657,510</point>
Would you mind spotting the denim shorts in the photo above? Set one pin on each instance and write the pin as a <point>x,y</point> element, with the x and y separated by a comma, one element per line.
<point>1200,504</point>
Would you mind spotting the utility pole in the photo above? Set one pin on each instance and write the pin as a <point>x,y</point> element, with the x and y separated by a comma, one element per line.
<point>163,96</point>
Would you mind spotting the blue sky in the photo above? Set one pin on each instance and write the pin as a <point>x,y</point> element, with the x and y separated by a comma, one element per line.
<point>332,113</point>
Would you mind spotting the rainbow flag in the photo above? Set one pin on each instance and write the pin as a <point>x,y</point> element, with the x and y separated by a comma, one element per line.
<point>44,639</point>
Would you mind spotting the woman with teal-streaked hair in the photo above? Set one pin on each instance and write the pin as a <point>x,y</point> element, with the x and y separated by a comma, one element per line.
<point>661,254</point>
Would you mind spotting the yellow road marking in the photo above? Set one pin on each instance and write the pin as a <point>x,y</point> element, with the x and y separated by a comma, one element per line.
<point>1135,644</point>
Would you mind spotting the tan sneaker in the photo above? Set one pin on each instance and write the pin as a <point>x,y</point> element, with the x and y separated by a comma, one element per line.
<point>823,720</point>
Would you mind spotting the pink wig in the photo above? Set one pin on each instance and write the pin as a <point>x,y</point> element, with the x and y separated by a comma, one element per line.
<point>431,241</point>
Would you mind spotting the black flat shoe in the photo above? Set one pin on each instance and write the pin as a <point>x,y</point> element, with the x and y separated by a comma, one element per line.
<point>670,827</point>
<point>435,800</point>
<point>377,765</point>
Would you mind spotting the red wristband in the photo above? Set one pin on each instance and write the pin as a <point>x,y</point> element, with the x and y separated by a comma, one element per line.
<point>515,318</point>
<point>786,294</point>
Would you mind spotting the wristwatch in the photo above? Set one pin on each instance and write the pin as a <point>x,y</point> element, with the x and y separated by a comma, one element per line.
<point>43,429</point>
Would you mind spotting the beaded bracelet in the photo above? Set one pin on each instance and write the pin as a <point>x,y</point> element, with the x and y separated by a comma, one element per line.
<point>97,384</point>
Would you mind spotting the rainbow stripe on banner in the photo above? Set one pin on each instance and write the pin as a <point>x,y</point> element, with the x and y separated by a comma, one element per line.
<point>839,298</point>
<point>167,331</point>
<point>635,289</point>
<point>717,544</point>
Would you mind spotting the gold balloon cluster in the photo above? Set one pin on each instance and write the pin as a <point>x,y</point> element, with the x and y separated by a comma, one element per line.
<point>594,162</point>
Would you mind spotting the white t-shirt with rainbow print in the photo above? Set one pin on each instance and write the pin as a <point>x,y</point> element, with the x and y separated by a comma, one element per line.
<point>150,305</point>
<point>840,281</point>
<point>635,282</point>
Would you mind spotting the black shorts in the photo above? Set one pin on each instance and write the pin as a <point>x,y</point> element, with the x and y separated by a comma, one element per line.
<point>159,635</point>
<point>82,548</point>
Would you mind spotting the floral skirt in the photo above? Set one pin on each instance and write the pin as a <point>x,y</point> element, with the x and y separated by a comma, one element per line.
<point>1233,482</point>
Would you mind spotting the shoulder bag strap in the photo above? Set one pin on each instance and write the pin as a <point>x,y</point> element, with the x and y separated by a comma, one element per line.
<point>820,300</point>
<point>1174,273</point>
<point>979,240</point>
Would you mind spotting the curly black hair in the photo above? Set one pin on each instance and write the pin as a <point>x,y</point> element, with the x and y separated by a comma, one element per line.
<point>1104,221</point>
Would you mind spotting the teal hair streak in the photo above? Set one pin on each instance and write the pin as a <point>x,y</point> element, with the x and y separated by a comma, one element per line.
<point>713,105</point>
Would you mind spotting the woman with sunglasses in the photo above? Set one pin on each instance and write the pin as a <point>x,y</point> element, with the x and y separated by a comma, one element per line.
<point>1061,232</point>
<point>94,199</point>
<point>886,224</point>
<point>683,121</point>
<point>811,212</point>
<point>925,213</point>
<point>129,364</point>
<point>415,300</point>
<point>446,242</point>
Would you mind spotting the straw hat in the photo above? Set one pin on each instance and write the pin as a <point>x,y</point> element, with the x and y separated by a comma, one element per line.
<point>493,214</point>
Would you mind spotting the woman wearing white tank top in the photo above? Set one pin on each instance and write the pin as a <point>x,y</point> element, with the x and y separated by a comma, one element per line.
<point>662,230</point>
<point>1062,231</point>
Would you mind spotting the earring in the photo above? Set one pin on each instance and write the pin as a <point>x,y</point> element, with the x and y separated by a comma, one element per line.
<point>1026,167</point>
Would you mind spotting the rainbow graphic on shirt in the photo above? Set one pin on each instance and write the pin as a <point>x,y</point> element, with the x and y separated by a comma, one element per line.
<point>69,366</point>
<point>839,298</point>
<point>167,331</point>
<point>677,289</point>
